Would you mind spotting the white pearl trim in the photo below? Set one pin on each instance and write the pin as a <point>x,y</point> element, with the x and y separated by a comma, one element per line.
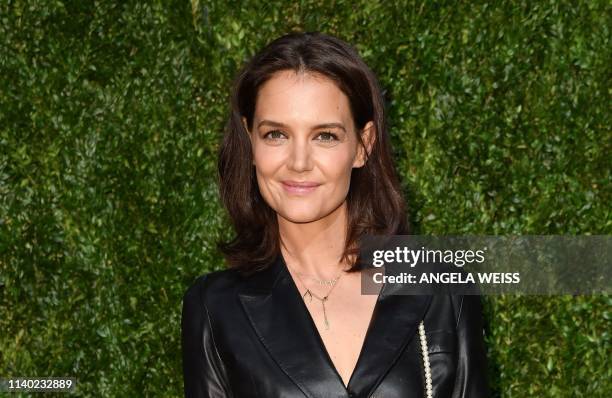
<point>425,352</point>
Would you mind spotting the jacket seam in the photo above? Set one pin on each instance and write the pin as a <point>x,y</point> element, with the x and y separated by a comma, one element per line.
<point>212,337</point>
<point>457,336</point>
<point>459,313</point>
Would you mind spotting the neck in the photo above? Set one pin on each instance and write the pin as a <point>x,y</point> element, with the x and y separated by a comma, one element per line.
<point>315,248</point>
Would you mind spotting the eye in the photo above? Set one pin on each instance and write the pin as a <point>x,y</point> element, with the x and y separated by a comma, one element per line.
<point>273,135</point>
<point>329,136</point>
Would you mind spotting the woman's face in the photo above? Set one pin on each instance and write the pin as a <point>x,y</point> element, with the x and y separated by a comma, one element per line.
<point>304,145</point>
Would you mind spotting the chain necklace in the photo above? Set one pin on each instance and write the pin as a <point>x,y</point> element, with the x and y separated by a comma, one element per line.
<point>321,282</point>
<point>323,299</point>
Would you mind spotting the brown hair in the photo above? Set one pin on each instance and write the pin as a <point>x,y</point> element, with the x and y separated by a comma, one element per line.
<point>374,201</point>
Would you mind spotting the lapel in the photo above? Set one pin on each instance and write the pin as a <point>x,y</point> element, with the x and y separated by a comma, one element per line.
<point>284,326</point>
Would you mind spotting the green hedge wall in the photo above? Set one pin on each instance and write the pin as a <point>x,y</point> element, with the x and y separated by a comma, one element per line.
<point>110,119</point>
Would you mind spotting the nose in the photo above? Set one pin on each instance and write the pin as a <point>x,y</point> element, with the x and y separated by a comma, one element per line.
<point>300,156</point>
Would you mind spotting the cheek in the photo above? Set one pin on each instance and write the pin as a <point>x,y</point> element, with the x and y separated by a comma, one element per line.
<point>266,161</point>
<point>339,164</point>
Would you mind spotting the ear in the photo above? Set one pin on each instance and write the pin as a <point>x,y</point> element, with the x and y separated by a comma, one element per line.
<point>368,137</point>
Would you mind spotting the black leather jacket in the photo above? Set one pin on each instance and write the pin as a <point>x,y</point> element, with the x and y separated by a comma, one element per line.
<point>254,337</point>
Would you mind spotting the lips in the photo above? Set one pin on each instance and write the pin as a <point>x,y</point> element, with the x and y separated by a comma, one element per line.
<point>300,187</point>
<point>301,184</point>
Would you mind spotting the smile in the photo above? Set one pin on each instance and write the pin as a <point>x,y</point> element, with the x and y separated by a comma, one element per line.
<point>299,188</point>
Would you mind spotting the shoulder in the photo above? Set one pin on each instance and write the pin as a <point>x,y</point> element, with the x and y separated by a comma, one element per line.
<point>455,300</point>
<point>451,310</point>
<point>213,286</point>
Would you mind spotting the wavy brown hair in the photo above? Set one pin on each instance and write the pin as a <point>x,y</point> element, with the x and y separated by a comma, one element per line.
<point>374,201</point>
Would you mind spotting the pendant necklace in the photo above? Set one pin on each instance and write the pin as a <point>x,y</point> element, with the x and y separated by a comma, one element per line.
<point>310,294</point>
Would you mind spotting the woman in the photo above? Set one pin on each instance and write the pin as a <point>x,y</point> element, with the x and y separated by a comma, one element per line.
<point>305,171</point>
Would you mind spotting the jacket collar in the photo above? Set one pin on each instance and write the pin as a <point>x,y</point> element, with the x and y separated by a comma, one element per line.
<point>284,326</point>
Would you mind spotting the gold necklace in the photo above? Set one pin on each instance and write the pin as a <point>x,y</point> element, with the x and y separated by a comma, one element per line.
<point>321,282</point>
<point>323,299</point>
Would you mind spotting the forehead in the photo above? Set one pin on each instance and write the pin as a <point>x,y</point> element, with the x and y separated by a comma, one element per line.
<point>302,97</point>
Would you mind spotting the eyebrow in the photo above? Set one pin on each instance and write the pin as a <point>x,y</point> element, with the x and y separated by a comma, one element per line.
<point>318,126</point>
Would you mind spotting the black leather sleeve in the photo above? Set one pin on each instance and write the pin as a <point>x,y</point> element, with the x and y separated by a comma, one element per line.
<point>204,374</point>
<point>471,374</point>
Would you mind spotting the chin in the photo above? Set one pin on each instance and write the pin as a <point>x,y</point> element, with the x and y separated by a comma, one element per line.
<point>300,216</point>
